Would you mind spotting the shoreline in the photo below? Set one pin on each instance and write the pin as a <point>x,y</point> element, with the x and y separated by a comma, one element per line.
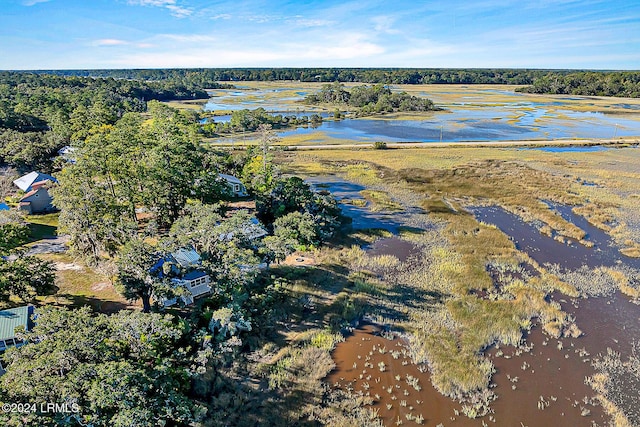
<point>613,143</point>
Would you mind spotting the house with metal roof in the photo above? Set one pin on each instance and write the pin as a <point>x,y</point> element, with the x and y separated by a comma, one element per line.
<point>36,186</point>
<point>10,320</point>
<point>184,265</point>
<point>38,200</point>
<point>25,183</point>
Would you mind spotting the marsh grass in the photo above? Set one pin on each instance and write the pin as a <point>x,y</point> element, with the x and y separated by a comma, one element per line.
<point>444,299</point>
<point>380,201</point>
<point>614,380</point>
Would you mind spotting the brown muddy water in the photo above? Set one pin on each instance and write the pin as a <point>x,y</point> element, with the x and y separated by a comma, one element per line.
<point>544,386</point>
<point>358,369</point>
<point>609,321</point>
<point>401,249</point>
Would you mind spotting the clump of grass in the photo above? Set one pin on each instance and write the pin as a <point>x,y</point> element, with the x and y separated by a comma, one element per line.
<point>436,205</point>
<point>633,252</point>
<point>362,173</point>
<point>325,340</point>
<point>380,201</point>
<point>357,202</point>
<point>612,381</point>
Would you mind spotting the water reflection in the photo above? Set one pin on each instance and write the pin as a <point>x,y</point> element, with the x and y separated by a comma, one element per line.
<point>480,119</point>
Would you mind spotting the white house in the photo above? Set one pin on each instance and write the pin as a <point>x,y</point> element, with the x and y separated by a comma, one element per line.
<point>195,282</point>
<point>37,198</point>
<point>236,186</point>
<point>251,230</point>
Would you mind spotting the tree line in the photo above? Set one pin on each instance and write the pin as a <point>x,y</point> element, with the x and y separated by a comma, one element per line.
<point>623,84</point>
<point>577,82</point>
<point>204,77</point>
<point>250,120</point>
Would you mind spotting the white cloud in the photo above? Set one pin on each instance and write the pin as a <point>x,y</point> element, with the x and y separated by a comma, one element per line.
<point>109,42</point>
<point>221,16</point>
<point>170,5</point>
<point>33,2</point>
<point>119,42</point>
<point>202,50</point>
<point>156,3</point>
<point>179,12</point>
<point>384,24</point>
<point>307,23</point>
<point>188,38</point>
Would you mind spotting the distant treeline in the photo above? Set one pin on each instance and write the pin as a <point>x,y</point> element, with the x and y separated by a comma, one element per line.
<point>619,83</point>
<point>41,113</point>
<point>205,77</point>
<point>604,83</point>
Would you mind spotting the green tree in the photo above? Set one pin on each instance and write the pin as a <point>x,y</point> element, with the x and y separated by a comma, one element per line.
<point>173,162</point>
<point>260,173</point>
<point>90,214</point>
<point>14,231</point>
<point>115,370</point>
<point>136,280</point>
<point>131,166</point>
<point>299,228</point>
<point>26,277</point>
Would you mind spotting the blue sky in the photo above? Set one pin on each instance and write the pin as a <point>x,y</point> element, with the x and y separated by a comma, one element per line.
<point>67,34</point>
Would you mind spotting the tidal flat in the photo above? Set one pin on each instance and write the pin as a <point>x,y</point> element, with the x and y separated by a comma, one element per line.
<point>492,327</point>
<point>481,113</point>
<point>475,285</point>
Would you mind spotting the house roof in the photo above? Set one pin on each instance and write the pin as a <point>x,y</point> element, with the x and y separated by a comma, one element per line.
<point>230,178</point>
<point>25,182</point>
<point>11,318</point>
<point>4,207</point>
<point>186,257</point>
<point>192,275</point>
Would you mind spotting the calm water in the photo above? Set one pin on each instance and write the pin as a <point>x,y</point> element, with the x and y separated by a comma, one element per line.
<point>361,216</point>
<point>475,120</point>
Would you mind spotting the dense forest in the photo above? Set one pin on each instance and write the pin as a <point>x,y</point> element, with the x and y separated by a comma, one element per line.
<point>204,77</point>
<point>624,84</point>
<point>41,113</point>
<point>577,82</point>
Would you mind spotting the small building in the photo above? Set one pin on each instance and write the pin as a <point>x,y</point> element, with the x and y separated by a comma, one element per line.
<point>184,265</point>
<point>38,200</point>
<point>237,187</point>
<point>11,319</point>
